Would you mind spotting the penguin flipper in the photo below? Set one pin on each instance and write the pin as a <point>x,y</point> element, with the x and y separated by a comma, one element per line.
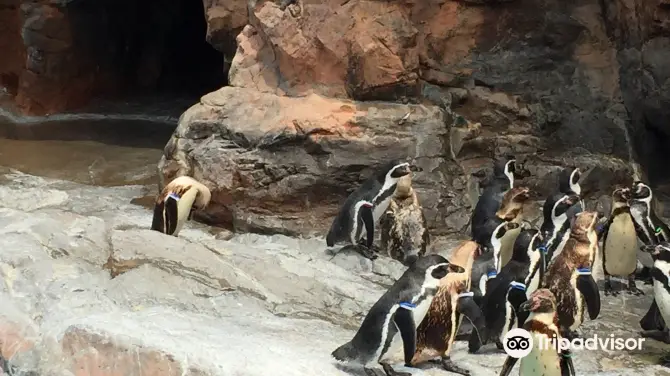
<point>589,289</point>
<point>171,213</point>
<point>652,320</point>
<point>468,308</point>
<point>369,222</point>
<point>404,320</point>
<point>158,221</point>
<point>507,366</point>
<point>516,297</point>
<point>567,366</point>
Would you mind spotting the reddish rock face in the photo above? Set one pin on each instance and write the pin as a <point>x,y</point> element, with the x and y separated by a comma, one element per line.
<point>11,45</point>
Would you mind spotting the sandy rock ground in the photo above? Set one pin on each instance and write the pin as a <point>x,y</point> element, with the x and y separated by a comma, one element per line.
<point>87,289</point>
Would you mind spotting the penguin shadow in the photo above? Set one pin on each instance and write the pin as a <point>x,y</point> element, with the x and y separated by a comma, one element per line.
<point>371,254</point>
<point>353,370</point>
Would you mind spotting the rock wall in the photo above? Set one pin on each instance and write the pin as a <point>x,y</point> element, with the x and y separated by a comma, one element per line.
<point>322,92</point>
<point>448,84</point>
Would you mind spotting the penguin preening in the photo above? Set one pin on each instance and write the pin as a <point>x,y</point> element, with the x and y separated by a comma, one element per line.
<point>556,224</point>
<point>393,319</point>
<point>509,211</point>
<point>491,238</point>
<point>510,288</point>
<point>543,326</point>
<point>377,189</point>
<point>453,300</point>
<point>513,212</point>
<point>620,243</point>
<point>660,273</point>
<point>504,173</point>
<point>404,230</point>
<point>177,201</point>
<point>569,275</point>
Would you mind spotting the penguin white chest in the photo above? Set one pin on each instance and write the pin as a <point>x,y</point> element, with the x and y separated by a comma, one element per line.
<point>419,313</point>
<point>620,247</point>
<point>380,208</point>
<point>540,362</point>
<point>661,295</point>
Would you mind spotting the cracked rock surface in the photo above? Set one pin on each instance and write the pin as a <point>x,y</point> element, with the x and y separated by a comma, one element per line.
<point>87,289</point>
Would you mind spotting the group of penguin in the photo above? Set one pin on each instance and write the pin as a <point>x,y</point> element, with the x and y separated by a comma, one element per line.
<point>536,279</point>
<point>509,275</point>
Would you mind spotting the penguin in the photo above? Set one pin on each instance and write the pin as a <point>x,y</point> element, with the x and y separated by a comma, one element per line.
<point>542,325</point>
<point>453,301</point>
<point>650,229</point>
<point>660,273</point>
<point>509,211</point>
<point>176,203</point>
<point>569,276</point>
<point>490,200</point>
<point>486,266</point>
<point>620,243</point>
<point>378,190</point>
<point>519,197</point>
<point>392,321</point>
<point>555,224</point>
<point>404,230</point>
<point>510,288</point>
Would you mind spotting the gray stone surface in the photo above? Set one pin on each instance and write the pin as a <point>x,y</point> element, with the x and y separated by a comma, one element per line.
<point>197,305</point>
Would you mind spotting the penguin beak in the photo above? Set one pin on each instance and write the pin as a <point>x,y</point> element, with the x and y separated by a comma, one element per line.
<point>525,306</point>
<point>415,168</point>
<point>653,249</point>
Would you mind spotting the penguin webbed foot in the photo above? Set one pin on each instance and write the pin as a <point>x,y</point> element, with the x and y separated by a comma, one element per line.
<point>658,335</point>
<point>450,366</point>
<point>365,251</point>
<point>389,371</point>
<point>633,289</point>
<point>608,290</point>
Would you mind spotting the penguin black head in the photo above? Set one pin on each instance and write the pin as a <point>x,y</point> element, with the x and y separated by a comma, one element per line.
<point>434,266</point>
<point>621,195</point>
<point>568,181</point>
<point>540,301</point>
<point>641,192</point>
<point>393,170</point>
<point>504,168</point>
<point>563,204</point>
<point>528,241</point>
<point>660,252</point>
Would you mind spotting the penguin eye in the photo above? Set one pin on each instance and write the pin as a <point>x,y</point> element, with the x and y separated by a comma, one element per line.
<point>439,272</point>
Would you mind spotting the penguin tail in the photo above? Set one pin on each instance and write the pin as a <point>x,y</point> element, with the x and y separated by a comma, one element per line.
<point>330,239</point>
<point>345,352</point>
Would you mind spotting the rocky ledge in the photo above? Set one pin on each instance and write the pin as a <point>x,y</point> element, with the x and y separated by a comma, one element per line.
<point>284,165</point>
<point>86,289</point>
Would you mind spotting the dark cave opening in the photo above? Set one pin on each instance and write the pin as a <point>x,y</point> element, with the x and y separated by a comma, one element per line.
<point>146,48</point>
<point>657,155</point>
